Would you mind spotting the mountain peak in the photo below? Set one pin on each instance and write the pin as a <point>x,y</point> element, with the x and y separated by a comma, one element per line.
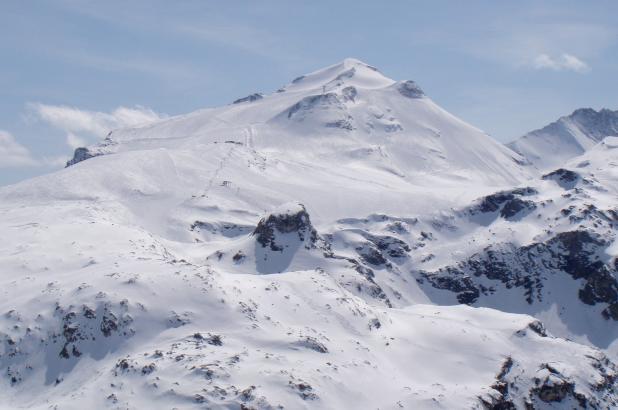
<point>350,71</point>
<point>567,137</point>
<point>354,62</point>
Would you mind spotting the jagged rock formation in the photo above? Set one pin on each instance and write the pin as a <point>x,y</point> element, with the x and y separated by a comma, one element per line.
<point>274,230</point>
<point>80,154</point>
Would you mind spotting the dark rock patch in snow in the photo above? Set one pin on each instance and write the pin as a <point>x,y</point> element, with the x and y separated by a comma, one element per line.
<point>410,89</point>
<point>314,101</point>
<point>576,253</point>
<point>567,179</point>
<point>249,98</point>
<point>517,207</point>
<point>81,154</point>
<point>288,219</point>
<point>493,202</point>
<point>349,93</point>
<point>313,344</point>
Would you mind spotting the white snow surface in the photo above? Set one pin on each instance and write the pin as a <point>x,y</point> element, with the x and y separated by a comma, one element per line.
<point>232,258</point>
<point>568,137</point>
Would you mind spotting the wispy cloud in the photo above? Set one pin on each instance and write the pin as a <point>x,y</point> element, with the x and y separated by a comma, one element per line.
<point>13,154</point>
<point>83,125</point>
<point>247,39</point>
<point>75,141</point>
<point>541,42</point>
<point>566,62</point>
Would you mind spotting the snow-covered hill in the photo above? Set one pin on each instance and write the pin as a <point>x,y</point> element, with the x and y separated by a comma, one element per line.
<point>348,113</point>
<point>566,138</point>
<point>312,248</point>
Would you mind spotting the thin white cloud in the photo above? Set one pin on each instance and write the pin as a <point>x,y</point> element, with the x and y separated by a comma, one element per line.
<point>75,141</point>
<point>248,39</point>
<point>566,62</point>
<point>82,126</point>
<point>55,162</point>
<point>13,154</point>
<point>539,43</point>
<point>571,62</point>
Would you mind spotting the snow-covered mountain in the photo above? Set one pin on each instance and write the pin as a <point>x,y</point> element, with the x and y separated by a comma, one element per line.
<point>316,247</point>
<point>566,138</point>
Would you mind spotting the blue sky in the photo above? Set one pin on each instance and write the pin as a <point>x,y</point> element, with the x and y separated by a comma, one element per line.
<point>71,70</point>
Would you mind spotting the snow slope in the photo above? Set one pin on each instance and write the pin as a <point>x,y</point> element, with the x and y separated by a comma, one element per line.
<point>347,113</point>
<point>572,135</point>
<point>291,251</point>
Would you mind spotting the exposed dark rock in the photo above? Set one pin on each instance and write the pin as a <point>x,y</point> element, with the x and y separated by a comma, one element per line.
<point>391,246</point>
<point>467,291</point>
<point>500,400</point>
<point>567,179</point>
<point>349,93</point>
<point>344,124</point>
<point>516,206</point>
<point>575,253</point>
<point>313,344</point>
<point>493,202</point>
<point>227,229</point>
<point>149,368</point>
<point>538,328</point>
<point>81,154</point>
<point>109,324</point>
<point>312,101</point>
<point>249,98</point>
<point>291,218</point>
<point>346,74</point>
<point>304,390</point>
<point>410,89</point>
<point>553,386</point>
<point>211,339</point>
<point>371,255</point>
<point>238,257</point>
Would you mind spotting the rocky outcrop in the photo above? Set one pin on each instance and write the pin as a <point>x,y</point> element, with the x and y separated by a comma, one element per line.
<point>511,200</point>
<point>551,386</point>
<point>575,253</point>
<point>313,101</point>
<point>76,331</point>
<point>289,220</point>
<point>566,178</point>
<point>249,98</point>
<point>410,89</point>
<point>81,154</point>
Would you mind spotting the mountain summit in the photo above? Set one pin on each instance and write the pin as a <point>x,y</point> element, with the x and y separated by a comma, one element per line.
<point>344,113</point>
<point>567,137</point>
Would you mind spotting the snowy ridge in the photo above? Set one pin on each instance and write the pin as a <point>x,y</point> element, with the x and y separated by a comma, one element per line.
<point>566,138</point>
<point>342,111</point>
<point>311,248</point>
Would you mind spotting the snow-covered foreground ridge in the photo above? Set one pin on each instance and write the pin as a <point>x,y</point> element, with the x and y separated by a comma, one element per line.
<point>312,248</point>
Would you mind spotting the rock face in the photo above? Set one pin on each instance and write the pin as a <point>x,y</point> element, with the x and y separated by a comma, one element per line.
<point>290,219</point>
<point>550,386</point>
<point>249,98</point>
<point>509,203</point>
<point>410,89</point>
<point>566,178</point>
<point>575,253</point>
<point>80,154</point>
